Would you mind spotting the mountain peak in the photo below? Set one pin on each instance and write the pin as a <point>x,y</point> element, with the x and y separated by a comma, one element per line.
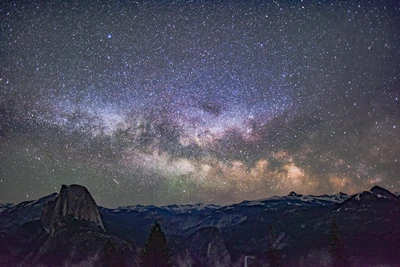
<point>73,203</point>
<point>375,194</point>
<point>377,190</point>
<point>294,194</point>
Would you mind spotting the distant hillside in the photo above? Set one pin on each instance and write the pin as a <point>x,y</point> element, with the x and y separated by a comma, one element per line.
<point>69,229</point>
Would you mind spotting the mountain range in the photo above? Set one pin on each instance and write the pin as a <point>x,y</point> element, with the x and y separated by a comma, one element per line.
<point>69,229</point>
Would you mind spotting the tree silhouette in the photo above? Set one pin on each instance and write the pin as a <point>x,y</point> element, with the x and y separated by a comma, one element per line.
<point>156,251</point>
<point>337,248</point>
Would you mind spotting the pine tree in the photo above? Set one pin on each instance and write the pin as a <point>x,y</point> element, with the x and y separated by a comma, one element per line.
<point>156,251</point>
<point>337,248</point>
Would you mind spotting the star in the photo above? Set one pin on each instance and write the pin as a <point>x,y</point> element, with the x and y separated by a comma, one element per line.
<point>197,102</point>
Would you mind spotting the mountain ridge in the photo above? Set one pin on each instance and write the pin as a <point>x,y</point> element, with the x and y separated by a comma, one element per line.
<point>7,206</point>
<point>202,235</point>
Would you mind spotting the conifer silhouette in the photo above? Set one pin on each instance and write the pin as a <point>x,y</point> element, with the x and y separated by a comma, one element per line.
<point>156,251</point>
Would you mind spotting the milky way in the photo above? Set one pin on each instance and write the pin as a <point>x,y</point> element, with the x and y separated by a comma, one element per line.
<point>159,102</point>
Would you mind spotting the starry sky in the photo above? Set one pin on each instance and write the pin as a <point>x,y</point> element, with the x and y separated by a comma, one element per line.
<point>160,102</point>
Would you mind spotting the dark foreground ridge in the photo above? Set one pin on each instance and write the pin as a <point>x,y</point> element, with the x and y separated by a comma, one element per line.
<point>69,229</point>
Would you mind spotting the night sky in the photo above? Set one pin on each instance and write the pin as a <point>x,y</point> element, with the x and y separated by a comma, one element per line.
<point>162,102</point>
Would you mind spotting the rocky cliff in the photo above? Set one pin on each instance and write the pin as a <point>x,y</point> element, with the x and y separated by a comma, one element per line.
<point>69,232</point>
<point>74,203</point>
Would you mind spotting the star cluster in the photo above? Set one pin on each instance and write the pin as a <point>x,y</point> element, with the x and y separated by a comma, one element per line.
<point>159,102</point>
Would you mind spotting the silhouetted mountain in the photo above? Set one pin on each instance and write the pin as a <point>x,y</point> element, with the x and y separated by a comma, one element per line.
<point>74,203</point>
<point>69,232</point>
<point>14,216</point>
<point>379,191</point>
<point>69,229</point>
